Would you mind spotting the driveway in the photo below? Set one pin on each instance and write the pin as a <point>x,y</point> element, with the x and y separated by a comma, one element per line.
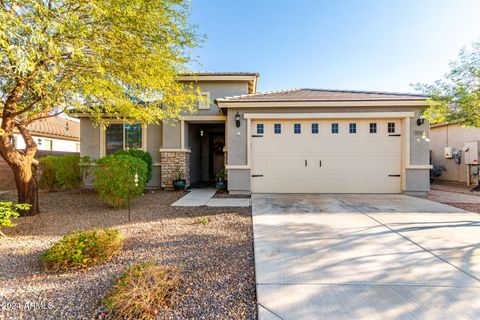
<point>365,257</point>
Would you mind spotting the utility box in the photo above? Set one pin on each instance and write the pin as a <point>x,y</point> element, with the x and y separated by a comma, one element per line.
<point>471,149</point>
<point>448,152</point>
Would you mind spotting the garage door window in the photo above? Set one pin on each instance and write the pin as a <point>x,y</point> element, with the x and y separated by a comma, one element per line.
<point>334,127</point>
<point>373,128</point>
<point>259,128</point>
<point>314,128</point>
<point>277,128</point>
<point>352,128</point>
<point>391,127</point>
<point>297,128</point>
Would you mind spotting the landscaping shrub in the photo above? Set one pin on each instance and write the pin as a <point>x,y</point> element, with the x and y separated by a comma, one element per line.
<point>140,154</point>
<point>83,249</point>
<point>202,220</point>
<point>10,211</point>
<point>141,290</point>
<point>63,172</point>
<point>114,176</point>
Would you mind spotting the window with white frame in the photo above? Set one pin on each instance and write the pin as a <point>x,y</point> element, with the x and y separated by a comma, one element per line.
<point>373,127</point>
<point>297,128</point>
<point>204,104</point>
<point>47,144</point>
<point>334,128</point>
<point>277,128</point>
<point>352,128</point>
<point>391,127</point>
<point>260,128</point>
<point>122,136</point>
<point>314,128</point>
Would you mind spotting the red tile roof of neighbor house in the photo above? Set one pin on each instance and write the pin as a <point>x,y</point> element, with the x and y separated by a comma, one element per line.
<point>56,127</point>
<point>323,95</point>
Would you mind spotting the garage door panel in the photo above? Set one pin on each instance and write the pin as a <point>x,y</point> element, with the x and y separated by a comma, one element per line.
<point>357,162</point>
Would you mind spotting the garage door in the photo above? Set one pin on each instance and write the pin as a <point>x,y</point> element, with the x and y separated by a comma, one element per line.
<point>326,156</point>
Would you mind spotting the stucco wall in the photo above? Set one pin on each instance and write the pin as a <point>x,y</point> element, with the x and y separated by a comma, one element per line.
<point>217,89</point>
<point>90,145</point>
<point>239,180</point>
<point>451,136</point>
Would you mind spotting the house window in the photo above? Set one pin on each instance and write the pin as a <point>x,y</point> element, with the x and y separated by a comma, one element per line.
<point>119,136</point>
<point>277,128</point>
<point>334,127</point>
<point>260,128</point>
<point>314,128</point>
<point>205,103</point>
<point>373,128</point>
<point>352,128</point>
<point>391,127</point>
<point>297,128</point>
<point>47,144</point>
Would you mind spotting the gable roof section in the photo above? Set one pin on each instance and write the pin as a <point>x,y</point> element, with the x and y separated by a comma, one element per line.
<point>55,127</point>
<point>311,97</point>
<point>250,77</point>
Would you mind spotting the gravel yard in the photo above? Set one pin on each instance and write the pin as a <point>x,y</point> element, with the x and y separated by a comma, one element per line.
<point>455,195</point>
<point>216,259</point>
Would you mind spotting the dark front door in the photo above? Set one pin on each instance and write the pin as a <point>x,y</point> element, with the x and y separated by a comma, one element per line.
<point>216,157</point>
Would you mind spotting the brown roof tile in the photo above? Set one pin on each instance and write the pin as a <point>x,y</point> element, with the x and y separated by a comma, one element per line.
<point>323,95</point>
<point>55,127</point>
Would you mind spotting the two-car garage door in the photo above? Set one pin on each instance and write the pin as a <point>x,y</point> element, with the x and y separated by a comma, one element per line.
<point>326,156</point>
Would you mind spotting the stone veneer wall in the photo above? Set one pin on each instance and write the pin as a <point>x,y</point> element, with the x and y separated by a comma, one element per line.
<point>169,162</point>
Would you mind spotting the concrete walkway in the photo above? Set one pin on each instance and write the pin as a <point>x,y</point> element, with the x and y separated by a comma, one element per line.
<point>203,197</point>
<point>365,257</point>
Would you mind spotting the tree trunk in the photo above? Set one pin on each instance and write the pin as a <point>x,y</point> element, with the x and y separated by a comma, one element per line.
<point>27,189</point>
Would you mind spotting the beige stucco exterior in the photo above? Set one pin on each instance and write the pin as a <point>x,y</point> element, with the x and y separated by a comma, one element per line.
<point>451,135</point>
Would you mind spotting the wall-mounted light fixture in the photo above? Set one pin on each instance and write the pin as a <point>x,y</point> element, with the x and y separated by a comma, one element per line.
<point>201,132</point>
<point>237,119</point>
<point>39,141</point>
<point>420,121</point>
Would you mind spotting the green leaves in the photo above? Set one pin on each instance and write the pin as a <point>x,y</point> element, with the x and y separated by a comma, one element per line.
<point>10,211</point>
<point>457,97</point>
<point>98,57</point>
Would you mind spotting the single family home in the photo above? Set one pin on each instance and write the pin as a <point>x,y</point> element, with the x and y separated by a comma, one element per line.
<point>289,141</point>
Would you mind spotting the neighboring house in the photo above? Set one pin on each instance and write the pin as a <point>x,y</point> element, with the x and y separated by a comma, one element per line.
<point>55,135</point>
<point>454,137</point>
<point>292,141</point>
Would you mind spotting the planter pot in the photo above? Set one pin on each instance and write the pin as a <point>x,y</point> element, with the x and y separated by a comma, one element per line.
<point>221,185</point>
<point>179,184</point>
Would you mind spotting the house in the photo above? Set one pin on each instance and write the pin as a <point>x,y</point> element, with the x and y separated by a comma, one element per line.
<point>291,141</point>
<point>53,136</point>
<point>452,138</point>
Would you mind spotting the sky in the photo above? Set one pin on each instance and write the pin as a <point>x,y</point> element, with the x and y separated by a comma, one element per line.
<point>382,45</point>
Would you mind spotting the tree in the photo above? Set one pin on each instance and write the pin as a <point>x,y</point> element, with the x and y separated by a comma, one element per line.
<point>457,97</point>
<point>103,57</point>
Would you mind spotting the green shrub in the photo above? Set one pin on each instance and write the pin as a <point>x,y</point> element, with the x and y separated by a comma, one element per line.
<point>114,176</point>
<point>140,154</point>
<point>64,172</point>
<point>83,249</point>
<point>10,211</point>
<point>202,220</point>
<point>141,290</point>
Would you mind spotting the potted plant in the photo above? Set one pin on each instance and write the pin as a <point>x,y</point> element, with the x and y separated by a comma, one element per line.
<point>220,182</point>
<point>179,183</point>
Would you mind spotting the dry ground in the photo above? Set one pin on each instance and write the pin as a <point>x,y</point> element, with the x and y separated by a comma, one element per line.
<point>216,259</point>
<point>456,192</point>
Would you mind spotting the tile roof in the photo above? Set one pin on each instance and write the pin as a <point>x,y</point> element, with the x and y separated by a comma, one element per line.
<point>323,95</point>
<point>213,73</point>
<point>55,127</point>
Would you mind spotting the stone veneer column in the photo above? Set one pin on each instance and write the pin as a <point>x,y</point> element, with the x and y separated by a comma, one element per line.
<point>170,160</point>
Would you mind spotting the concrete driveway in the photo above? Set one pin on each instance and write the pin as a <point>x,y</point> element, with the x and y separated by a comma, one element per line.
<point>365,257</point>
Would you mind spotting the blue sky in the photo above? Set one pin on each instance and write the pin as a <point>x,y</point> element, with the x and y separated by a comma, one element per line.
<point>337,44</point>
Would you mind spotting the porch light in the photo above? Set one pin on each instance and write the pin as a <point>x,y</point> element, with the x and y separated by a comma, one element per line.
<point>420,121</point>
<point>39,141</point>
<point>201,132</point>
<point>237,119</point>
